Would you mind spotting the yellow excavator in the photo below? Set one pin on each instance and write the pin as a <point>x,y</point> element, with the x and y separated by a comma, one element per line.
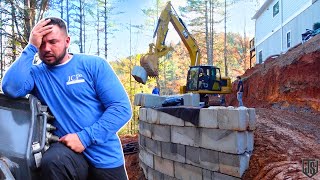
<point>202,79</point>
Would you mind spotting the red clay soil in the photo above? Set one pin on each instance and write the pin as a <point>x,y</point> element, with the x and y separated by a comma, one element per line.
<point>132,160</point>
<point>291,80</point>
<point>282,139</point>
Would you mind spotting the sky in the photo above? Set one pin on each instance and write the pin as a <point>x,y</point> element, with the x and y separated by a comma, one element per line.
<point>238,20</point>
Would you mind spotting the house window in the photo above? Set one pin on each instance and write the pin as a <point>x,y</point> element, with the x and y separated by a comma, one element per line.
<point>260,57</point>
<point>288,39</point>
<point>275,9</point>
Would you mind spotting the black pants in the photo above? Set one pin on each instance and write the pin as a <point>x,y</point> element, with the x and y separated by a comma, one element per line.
<point>60,163</point>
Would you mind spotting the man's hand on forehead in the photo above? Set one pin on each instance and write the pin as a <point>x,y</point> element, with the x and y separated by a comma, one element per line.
<point>39,30</point>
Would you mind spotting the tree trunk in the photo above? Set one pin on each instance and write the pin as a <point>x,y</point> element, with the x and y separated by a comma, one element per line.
<point>61,9</point>
<point>84,31</point>
<point>105,30</point>
<point>98,33</point>
<point>1,55</point>
<point>80,26</point>
<point>212,33</point>
<point>207,30</point>
<point>13,40</point>
<point>68,22</point>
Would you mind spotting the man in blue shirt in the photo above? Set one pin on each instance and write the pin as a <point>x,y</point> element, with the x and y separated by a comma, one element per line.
<point>240,91</point>
<point>85,96</point>
<point>156,90</point>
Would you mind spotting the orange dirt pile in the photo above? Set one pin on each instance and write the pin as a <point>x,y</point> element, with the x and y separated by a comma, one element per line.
<point>282,139</point>
<point>291,80</point>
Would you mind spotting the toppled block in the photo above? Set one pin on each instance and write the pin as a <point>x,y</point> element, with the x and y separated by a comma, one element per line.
<point>139,74</point>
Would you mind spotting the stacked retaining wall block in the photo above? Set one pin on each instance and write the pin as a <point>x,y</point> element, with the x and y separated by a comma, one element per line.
<point>218,148</point>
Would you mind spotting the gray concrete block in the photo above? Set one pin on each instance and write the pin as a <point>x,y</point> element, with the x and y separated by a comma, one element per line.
<point>223,140</point>
<point>193,155</point>
<point>252,118</point>
<point>153,146</point>
<point>137,99</point>
<point>164,166</point>
<point>143,114</point>
<point>204,158</point>
<point>161,133</point>
<point>233,119</point>
<point>146,158</point>
<point>219,176</point>
<point>142,141</point>
<point>155,175</point>
<point>191,99</point>
<point>207,175</point>
<point>152,116</point>
<point>149,100</point>
<point>250,141</point>
<point>209,159</point>
<point>208,118</point>
<point>144,167</point>
<point>172,151</point>
<point>232,164</point>
<point>139,74</point>
<point>168,119</point>
<point>145,129</point>
<point>185,135</point>
<point>187,172</point>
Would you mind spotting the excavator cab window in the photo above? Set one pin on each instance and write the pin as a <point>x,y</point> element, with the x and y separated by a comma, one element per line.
<point>192,82</point>
<point>217,78</point>
<point>204,78</point>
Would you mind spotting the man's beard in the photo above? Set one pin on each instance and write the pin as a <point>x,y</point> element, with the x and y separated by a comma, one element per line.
<point>57,60</point>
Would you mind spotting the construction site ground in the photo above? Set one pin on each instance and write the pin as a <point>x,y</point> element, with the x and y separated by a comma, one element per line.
<point>282,139</point>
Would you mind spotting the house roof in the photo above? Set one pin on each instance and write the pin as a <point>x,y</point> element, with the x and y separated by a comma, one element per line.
<point>263,7</point>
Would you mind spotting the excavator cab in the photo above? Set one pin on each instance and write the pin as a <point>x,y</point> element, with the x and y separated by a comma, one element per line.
<point>203,79</point>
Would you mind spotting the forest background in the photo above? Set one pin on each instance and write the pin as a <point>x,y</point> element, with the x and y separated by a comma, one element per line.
<point>97,22</point>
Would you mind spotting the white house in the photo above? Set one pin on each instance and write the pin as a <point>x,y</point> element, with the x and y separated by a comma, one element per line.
<point>280,23</point>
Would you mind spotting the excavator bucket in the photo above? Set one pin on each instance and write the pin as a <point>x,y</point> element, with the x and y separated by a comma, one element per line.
<point>150,63</point>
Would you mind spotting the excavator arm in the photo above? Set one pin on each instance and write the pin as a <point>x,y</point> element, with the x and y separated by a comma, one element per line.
<point>150,61</point>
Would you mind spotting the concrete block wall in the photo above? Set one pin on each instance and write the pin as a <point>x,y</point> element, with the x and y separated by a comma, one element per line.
<point>218,148</point>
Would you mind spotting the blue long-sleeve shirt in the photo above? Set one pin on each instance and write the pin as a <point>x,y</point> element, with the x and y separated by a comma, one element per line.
<point>85,96</point>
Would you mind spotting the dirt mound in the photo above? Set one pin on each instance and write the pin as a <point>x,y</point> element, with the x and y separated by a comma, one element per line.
<point>290,80</point>
<point>281,141</point>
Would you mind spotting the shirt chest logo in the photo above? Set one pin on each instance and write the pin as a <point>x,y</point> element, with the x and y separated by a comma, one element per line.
<point>75,79</point>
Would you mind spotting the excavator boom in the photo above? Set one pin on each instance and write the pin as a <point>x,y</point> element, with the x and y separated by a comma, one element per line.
<point>150,61</point>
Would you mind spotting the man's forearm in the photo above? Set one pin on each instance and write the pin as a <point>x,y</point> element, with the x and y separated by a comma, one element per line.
<point>17,81</point>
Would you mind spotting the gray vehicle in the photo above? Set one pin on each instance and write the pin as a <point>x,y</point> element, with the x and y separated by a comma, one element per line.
<point>24,136</point>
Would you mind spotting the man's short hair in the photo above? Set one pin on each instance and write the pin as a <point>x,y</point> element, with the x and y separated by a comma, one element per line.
<point>59,22</point>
